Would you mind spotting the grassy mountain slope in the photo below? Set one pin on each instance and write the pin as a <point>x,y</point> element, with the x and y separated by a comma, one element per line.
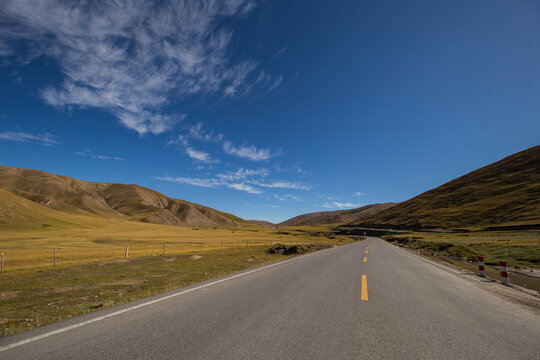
<point>17,212</point>
<point>113,201</point>
<point>337,216</point>
<point>503,195</point>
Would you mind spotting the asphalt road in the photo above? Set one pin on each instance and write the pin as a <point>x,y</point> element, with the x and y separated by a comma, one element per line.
<point>313,307</point>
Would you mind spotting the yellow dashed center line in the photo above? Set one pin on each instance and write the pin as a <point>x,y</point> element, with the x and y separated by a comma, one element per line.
<point>366,251</point>
<point>364,288</point>
<point>365,259</point>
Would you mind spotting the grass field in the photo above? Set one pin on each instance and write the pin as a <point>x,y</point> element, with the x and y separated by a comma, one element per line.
<point>107,241</point>
<point>520,249</point>
<point>326,229</point>
<point>92,274</point>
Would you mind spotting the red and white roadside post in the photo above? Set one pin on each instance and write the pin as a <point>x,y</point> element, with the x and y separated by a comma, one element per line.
<point>481,267</point>
<point>504,273</point>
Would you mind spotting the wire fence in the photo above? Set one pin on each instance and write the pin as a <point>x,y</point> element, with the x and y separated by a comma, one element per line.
<point>31,258</point>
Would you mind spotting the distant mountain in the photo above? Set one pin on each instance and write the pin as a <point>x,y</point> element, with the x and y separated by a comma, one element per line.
<point>502,195</point>
<point>337,216</point>
<point>59,196</point>
<point>261,223</point>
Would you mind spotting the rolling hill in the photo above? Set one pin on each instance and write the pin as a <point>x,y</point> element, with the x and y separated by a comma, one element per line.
<point>261,223</point>
<point>502,195</point>
<point>29,196</point>
<point>337,216</point>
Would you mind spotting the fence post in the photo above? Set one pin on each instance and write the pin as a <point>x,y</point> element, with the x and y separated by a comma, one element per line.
<point>2,262</point>
<point>504,273</point>
<point>127,252</point>
<point>481,267</point>
<point>201,247</point>
<point>54,263</point>
<point>163,250</point>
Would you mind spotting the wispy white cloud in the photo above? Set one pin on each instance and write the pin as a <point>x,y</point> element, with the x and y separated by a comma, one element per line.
<point>242,179</point>
<point>207,183</point>
<point>280,52</point>
<point>42,139</point>
<point>242,173</point>
<point>359,193</point>
<point>244,187</point>
<point>211,183</point>
<point>197,132</point>
<point>287,197</point>
<point>339,205</point>
<point>249,152</point>
<point>345,205</point>
<point>275,84</point>
<point>198,155</point>
<point>293,170</point>
<point>282,185</point>
<point>132,57</point>
<point>301,171</point>
<point>87,153</point>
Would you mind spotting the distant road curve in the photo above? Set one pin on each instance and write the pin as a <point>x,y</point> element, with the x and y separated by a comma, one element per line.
<point>367,300</point>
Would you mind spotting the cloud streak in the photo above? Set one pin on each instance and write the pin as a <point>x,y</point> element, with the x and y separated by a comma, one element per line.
<point>97,156</point>
<point>339,205</point>
<point>198,155</point>
<point>132,58</point>
<point>46,139</point>
<point>282,185</point>
<point>211,183</point>
<point>197,133</point>
<point>242,173</point>
<point>207,183</point>
<point>249,152</point>
<point>287,197</point>
<point>244,187</point>
<point>242,180</point>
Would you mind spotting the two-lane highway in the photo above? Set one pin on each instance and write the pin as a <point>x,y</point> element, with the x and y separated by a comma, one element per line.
<point>365,300</point>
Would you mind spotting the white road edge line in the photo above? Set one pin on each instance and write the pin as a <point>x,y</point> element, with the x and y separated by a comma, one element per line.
<point>74,326</point>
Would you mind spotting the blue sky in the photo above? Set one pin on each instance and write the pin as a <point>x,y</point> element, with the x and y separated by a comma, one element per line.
<point>269,109</point>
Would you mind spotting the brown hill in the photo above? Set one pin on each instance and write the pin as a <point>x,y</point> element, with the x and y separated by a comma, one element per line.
<point>261,223</point>
<point>502,195</point>
<point>129,202</point>
<point>337,216</point>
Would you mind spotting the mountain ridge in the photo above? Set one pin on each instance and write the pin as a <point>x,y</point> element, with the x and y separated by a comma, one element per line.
<point>501,195</point>
<point>109,200</point>
<point>336,216</point>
